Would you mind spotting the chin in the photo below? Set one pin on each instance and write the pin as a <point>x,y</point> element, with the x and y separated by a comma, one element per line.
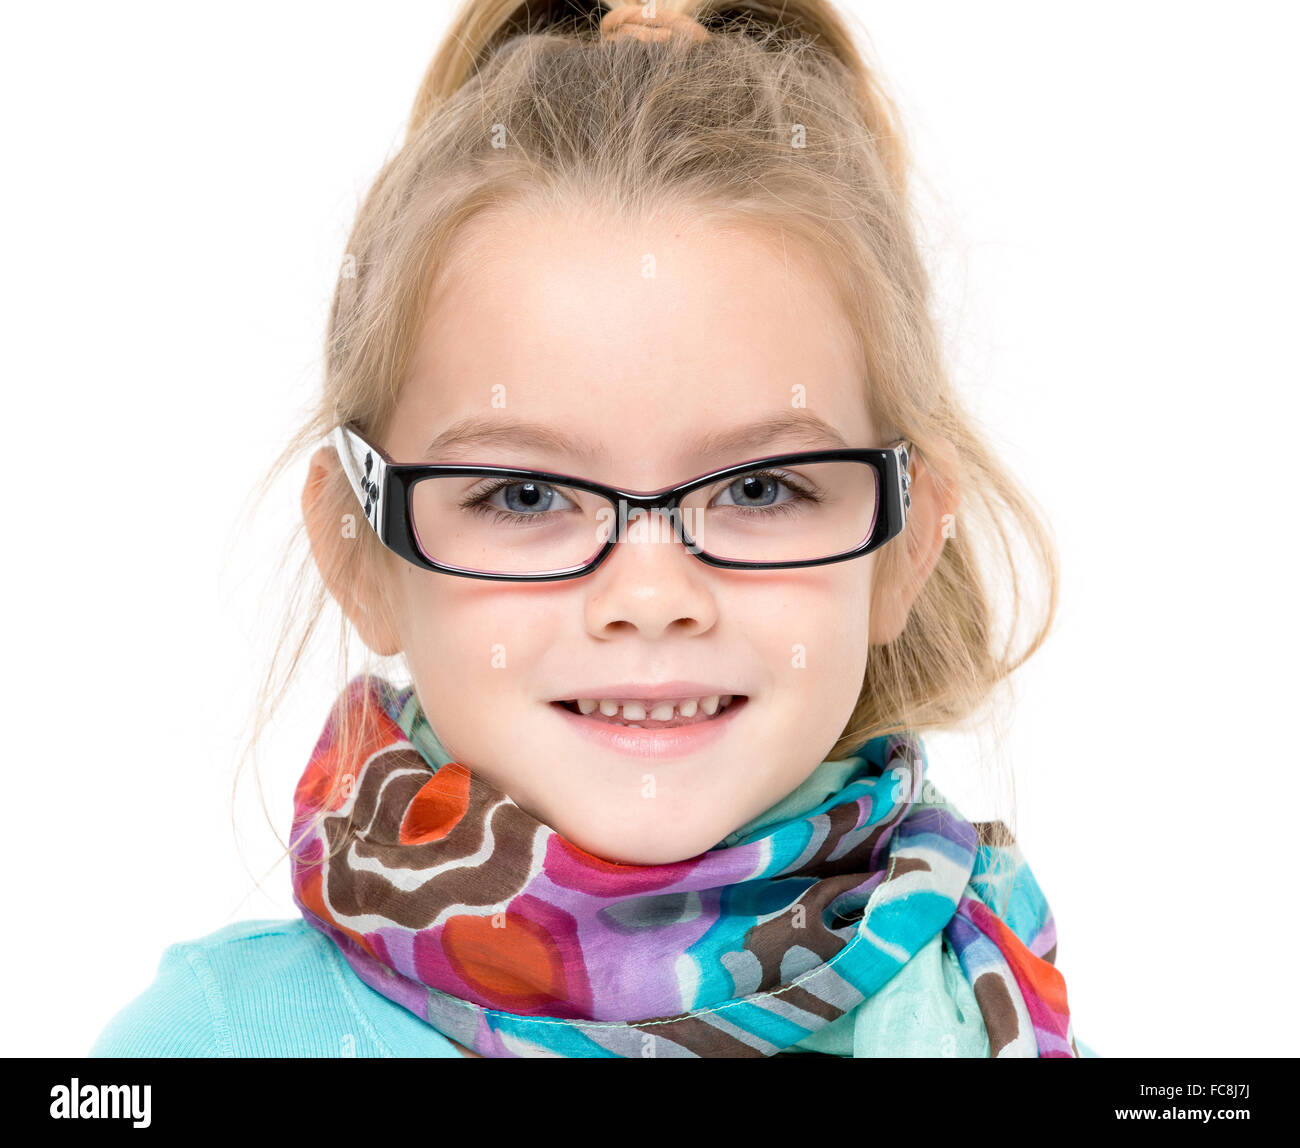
<point>659,851</point>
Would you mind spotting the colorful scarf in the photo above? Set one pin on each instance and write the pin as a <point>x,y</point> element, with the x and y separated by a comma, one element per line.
<point>452,901</point>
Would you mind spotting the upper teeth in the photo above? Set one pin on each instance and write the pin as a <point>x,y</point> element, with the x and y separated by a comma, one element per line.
<point>658,711</point>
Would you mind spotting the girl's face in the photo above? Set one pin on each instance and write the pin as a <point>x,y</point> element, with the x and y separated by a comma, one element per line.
<point>634,344</point>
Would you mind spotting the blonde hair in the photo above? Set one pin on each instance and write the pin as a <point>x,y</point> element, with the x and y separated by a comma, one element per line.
<point>707,126</point>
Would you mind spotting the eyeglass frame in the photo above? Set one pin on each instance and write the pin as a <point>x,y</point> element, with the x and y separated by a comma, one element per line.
<point>383,488</point>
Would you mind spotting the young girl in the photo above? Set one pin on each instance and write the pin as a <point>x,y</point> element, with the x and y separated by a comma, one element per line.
<point>642,459</point>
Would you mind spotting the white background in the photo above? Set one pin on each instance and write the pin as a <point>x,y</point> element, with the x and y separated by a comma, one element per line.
<point>1110,196</point>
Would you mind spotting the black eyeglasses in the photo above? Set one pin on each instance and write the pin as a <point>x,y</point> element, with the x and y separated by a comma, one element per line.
<point>445,517</point>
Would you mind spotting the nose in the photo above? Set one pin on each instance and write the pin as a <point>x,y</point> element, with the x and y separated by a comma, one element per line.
<point>650,583</point>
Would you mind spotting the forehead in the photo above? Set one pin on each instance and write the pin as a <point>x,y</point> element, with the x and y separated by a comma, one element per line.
<point>637,345</point>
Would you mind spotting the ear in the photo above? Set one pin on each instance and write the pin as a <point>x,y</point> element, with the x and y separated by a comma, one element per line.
<point>329,535</point>
<point>929,522</point>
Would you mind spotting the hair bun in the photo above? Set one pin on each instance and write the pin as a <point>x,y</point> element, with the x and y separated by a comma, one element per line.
<point>632,20</point>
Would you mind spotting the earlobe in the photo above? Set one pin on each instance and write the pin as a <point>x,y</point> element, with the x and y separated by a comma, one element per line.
<point>327,537</point>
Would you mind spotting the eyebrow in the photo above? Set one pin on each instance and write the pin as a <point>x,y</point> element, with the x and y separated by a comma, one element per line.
<point>798,427</point>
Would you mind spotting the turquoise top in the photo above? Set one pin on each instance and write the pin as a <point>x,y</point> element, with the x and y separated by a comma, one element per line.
<point>279,988</point>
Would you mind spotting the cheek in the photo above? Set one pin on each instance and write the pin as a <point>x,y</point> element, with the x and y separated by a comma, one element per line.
<point>820,620</point>
<point>828,686</point>
<point>465,639</point>
<point>470,665</point>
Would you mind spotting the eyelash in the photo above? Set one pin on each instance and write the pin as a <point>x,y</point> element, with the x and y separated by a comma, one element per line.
<point>478,503</point>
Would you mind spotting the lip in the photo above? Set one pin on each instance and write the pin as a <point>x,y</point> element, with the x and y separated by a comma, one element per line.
<point>653,743</point>
<point>644,692</point>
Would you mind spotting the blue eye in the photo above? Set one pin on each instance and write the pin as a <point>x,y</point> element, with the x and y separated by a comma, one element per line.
<point>524,500</point>
<point>765,483</point>
<point>762,485</point>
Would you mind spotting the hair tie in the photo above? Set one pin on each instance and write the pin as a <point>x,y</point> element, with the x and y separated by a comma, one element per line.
<point>632,20</point>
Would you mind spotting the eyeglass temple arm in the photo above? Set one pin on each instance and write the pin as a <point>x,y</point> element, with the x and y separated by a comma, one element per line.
<point>903,450</point>
<point>365,473</point>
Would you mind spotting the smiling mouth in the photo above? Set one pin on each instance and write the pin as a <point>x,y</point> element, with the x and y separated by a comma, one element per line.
<point>675,722</point>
